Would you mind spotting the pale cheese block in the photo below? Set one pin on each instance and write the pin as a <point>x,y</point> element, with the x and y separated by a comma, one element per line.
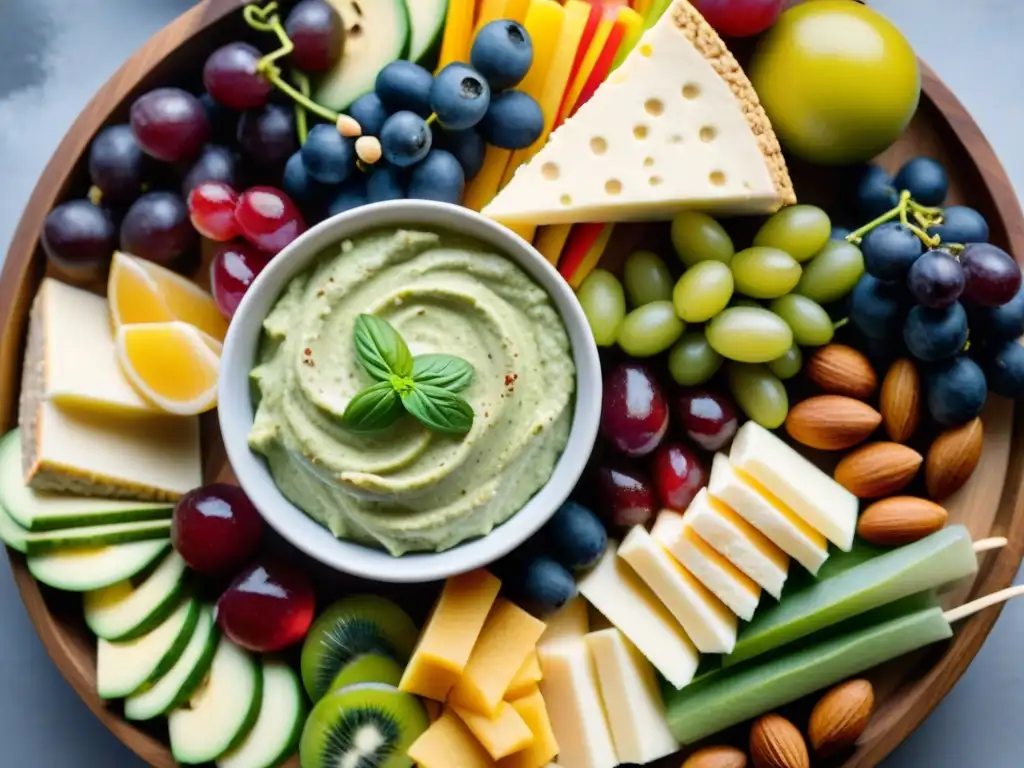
<point>677,126</point>
<point>739,542</point>
<point>570,622</point>
<point>813,495</point>
<point>766,512</point>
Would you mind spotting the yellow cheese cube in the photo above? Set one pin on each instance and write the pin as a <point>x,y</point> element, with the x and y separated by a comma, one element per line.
<point>508,637</point>
<point>542,751</point>
<point>506,733</point>
<point>446,643</point>
<point>526,678</point>
<point>447,743</point>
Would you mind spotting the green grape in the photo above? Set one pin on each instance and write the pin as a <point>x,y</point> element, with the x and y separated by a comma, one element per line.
<point>604,304</point>
<point>758,393</point>
<point>692,361</point>
<point>749,335</point>
<point>799,230</point>
<point>789,365</point>
<point>832,273</point>
<point>647,279</point>
<point>764,273</point>
<point>810,323</point>
<point>650,329</point>
<point>698,237</point>
<point>703,291</point>
<point>743,301</point>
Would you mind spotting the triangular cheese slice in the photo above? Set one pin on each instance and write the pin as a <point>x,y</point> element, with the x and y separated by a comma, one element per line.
<point>677,126</point>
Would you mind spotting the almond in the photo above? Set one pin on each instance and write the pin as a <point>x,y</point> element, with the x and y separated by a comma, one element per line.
<point>717,757</point>
<point>842,370</point>
<point>900,520</point>
<point>900,400</point>
<point>877,469</point>
<point>776,743</point>
<point>831,422</point>
<point>952,458</point>
<point>840,717</point>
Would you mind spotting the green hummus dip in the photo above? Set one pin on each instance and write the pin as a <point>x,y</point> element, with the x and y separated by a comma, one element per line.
<point>408,489</point>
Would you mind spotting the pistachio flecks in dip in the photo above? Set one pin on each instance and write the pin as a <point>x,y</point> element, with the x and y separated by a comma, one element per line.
<point>407,488</point>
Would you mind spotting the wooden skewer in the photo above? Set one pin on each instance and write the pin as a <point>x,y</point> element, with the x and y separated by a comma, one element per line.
<point>993,542</point>
<point>971,608</point>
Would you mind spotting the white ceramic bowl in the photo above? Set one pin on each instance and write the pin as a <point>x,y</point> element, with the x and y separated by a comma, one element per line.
<point>236,406</point>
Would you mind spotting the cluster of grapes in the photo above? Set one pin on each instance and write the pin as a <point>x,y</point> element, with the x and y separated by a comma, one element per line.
<point>936,289</point>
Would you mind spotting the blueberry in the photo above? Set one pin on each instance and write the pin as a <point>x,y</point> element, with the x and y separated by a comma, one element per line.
<point>1004,369</point>
<point>439,177</point>
<point>839,233</point>
<point>467,146</point>
<point>513,121</point>
<point>544,585</point>
<point>889,250</point>
<point>300,186</point>
<point>459,97</point>
<point>926,180</point>
<point>348,196</point>
<point>999,323</point>
<point>369,112</point>
<point>405,139</point>
<point>385,183</point>
<point>502,52</point>
<point>961,224</point>
<point>877,308</point>
<point>575,536</point>
<point>329,157</point>
<point>404,85</point>
<point>935,334</point>
<point>876,193</point>
<point>956,391</point>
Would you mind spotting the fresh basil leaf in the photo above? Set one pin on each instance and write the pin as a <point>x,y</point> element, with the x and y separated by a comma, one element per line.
<point>445,371</point>
<point>438,409</point>
<point>379,348</point>
<point>375,408</point>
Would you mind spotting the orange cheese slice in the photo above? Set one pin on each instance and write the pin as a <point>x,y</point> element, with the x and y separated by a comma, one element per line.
<point>501,735</point>
<point>448,742</point>
<point>542,751</point>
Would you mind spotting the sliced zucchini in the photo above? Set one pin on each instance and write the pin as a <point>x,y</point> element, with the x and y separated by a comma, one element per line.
<point>12,534</point>
<point>275,734</point>
<point>426,22</point>
<point>123,668</point>
<point>97,536</point>
<point>127,610</point>
<point>82,570</point>
<point>174,689</point>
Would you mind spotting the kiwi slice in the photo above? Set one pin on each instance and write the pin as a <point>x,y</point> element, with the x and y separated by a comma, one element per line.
<point>350,628</point>
<point>368,668</point>
<point>370,725</point>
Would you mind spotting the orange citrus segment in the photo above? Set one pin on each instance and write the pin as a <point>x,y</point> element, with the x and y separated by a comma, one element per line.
<point>174,365</point>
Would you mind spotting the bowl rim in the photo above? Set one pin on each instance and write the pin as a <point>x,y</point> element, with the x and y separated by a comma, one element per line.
<point>236,408</point>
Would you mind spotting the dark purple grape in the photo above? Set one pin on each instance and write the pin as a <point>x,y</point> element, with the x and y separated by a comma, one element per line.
<point>1000,323</point>
<point>267,136</point>
<point>117,164</point>
<point>1004,369</point>
<point>926,180</point>
<point>231,77</point>
<point>215,163</point>
<point>993,277</point>
<point>956,391</point>
<point>157,228</point>
<point>876,193</point>
<point>223,121</point>
<point>961,224</point>
<point>889,250</point>
<point>935,334</point>
<point>170,124</point>
<point>936,279</point>
<point>316,31</point>
<point>79,237</point>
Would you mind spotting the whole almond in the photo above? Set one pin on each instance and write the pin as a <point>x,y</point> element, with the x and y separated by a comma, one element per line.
<point>776,743</point>
<point>877,469</point>
<point>840,717</point>
<point>900,400</point>
<point>951,459</point>
<point>831,422</point>
<point>900,520</point>
<point>842,370</point>
<point>717,757</point>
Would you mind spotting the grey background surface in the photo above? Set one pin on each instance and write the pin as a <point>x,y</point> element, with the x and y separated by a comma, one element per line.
<point>55,53</point>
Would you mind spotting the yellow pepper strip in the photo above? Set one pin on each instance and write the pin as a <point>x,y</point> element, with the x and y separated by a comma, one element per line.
<point>592,258</point>
<point>551,240</point>
<point>458,31</point>
<point>490,10</point>
<point>604,29</point>
<point>633,25</point>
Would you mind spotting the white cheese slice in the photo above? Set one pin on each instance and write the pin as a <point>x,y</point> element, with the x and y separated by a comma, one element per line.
<point>725,580</point>
<point>817,498</point>
<point>573,700</point>
<point>766,512</point>
<point>570,622</point>
<point>706,620</point>
<point>736,539</point>
<point>631,698</point>
<point>615,590</point>
<point>665,132</point>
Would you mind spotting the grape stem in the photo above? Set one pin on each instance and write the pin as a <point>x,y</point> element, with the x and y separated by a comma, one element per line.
<point>923,215</point>
<point>301,124</point>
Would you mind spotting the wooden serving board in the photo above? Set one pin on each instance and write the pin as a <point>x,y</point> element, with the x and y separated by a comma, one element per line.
<point>991,503</point>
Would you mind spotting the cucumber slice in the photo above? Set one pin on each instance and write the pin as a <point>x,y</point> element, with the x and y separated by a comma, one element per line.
<point>82,570</point>
<point>12,534</point>
<point>275,735</point>
<point>97,536</point>
<point>174,689</point>
<point>46,512</point>
<point>222,712</point>
<point>125,610</point>
<point>426,20</point>
<point>376,33</point>
<point>123,668</point>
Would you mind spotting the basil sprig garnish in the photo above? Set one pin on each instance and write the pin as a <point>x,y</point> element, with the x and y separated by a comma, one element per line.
<point>426,386</point>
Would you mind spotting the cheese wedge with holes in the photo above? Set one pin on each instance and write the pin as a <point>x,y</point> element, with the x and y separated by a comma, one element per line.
<point>665,132</point>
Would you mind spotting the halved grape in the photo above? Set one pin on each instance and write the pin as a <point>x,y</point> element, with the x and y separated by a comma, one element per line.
<point>799,230</point>
<point>703,291</point>
<point>764,273</point>
<point>647,278</point>
<point>789,365</point>
<point>698,237</point>
<point>692,361</point>
<point>650,329</point>
<point>810,323</point>
<point>758,393</point>
<point>749,335</point>
<point>604,304</point>
<point>832,273</point>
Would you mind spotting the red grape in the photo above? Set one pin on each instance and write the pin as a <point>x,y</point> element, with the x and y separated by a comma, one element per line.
<point>625,495</point>
<point>678,475</point>
<point>211,207</point>
<point>232,271</point>
<point>267,136</point>
<point>634,415</point>
<point>739,18</point>
<point>79,238</point>
<point>231,77</point>
<point>156,227</point>
<point>269,607</point>
<point>216,528</point>
<point>708,418</point>
<point>117,164</point>
<point>268,218</point>
<point>315,29</point>
<point>992,276</point>
<point>170,124</point>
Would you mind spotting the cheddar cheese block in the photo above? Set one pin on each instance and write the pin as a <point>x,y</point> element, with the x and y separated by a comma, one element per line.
<point>542,750</point>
